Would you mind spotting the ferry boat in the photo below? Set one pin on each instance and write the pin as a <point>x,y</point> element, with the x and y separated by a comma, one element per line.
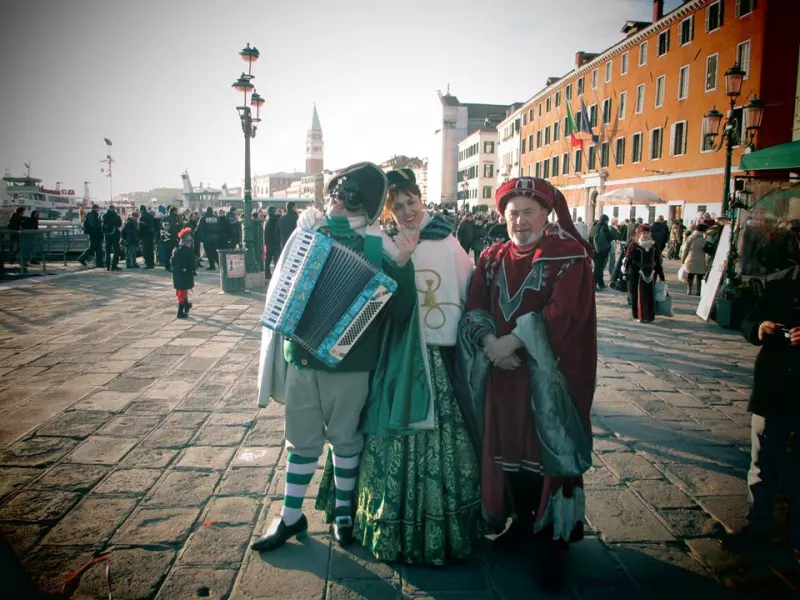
<point>53,205</point>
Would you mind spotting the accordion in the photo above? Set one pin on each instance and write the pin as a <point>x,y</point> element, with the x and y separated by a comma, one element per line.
<point>325,296</point>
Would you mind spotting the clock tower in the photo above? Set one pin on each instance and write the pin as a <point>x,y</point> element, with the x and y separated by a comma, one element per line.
<point>314,146</point>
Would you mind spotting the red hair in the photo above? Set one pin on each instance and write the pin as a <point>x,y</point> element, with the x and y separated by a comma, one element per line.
<point>183,232</point>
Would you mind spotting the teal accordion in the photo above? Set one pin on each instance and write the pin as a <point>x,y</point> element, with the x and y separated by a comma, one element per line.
<point>324,296</point>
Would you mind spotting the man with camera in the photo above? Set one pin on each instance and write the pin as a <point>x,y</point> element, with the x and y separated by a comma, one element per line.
<point>774,324</point>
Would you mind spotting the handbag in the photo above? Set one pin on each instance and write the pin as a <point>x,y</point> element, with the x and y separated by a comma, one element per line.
<point>660,293</point>
<point>683,275</point>
<point>664,307</point>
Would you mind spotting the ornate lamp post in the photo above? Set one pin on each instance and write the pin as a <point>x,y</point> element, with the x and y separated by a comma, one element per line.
<point>249,126</point>
<point>734,133</point>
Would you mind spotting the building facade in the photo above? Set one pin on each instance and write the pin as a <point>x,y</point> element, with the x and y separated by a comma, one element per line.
<point>508,144</point>
<point>645,98</point>
<point>458,121</point>
<point>265,186</point>
<point>315,146</point>
<point>477,157</point>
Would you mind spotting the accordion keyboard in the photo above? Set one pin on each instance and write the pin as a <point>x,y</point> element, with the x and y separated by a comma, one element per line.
<point>298,252</point>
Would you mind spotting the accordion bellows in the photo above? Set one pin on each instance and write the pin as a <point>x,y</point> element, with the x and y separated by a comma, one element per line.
<point>325,296</point>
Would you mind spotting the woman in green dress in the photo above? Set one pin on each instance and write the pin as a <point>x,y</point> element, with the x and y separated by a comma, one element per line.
<point>418,495</point>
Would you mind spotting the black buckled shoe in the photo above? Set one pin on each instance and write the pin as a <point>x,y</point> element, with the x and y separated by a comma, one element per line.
<point>279,533</point>
<point>343,527</point>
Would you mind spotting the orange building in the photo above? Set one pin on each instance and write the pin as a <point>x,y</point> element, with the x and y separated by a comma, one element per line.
<point>646,97</point>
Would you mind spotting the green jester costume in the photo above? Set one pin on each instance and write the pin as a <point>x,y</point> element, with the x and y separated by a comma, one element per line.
<point>322,403</point>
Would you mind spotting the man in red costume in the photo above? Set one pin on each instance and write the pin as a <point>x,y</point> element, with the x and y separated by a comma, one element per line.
<point>531,322</point>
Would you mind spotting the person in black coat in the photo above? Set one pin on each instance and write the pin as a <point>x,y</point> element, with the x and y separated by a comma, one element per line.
<point>774,324</point>
<point>183,264</point>
<point>111,225</point>
<point>147,233</point>
<point>208,232</point>
<point>660,231</point>
<point>272,240</point>
<point>169,235</point>
<point>287,223</point>
<point>93,228</point>
<point>130,235</point>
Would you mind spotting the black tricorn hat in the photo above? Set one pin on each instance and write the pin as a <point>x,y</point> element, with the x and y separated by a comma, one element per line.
<point>401,177</point>
<point>362,185</point>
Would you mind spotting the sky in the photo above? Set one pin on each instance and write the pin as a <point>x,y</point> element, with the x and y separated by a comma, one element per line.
<point>154,76</point>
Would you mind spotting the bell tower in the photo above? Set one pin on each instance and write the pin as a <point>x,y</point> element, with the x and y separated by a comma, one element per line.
<point>314,146</point>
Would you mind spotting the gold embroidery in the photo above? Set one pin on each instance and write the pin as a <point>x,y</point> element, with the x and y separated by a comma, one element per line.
<point>431,308</point>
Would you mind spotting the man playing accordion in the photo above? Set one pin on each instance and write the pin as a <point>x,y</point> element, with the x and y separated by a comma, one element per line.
<point>323,402</point>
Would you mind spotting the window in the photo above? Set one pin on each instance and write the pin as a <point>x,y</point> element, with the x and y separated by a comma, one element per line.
<point>556,131</point>
<point>539,139</point>
<point>524,119</point>
<point>547,105</point>
<point>636,148</point>
<point>540,109</point>
<point>530,115</point>
<point>554,160</point>
<point>592,158</point>
<point>643,54</point>
<point>546,169</point>
<point>683,83</point>
<point>743,57</point>
<point>566,127</point>
<point>619,154</point>
<point>706,143</point>
<point>606,111</point>
<point>568,92</point>
<point>639,98</point>
<point>661,84</point>
<point>594,79</point>
<point>609,66</point>
<point>633,213</point>
<point>579,86</point>
<point>744,7</point>
<point>714,15</point>
<point>651,214</point>
<point>487,192</point>
<point>663,42</point>
<point>558,99</point>
<point>656,141</point>
<point>538,169</point>
<point>687,30</point>
<point>578,160</point>
<point>530,143</point>
<point>604,155</point>
<point>488,147</point>
<point>565,163</point>
<point>623,66</point>
<point>678,144</point>
<point>623,101</point>
<point>547,135</point>
<point>712,63</point>
<point>488,170</point>
<point>593,115</point>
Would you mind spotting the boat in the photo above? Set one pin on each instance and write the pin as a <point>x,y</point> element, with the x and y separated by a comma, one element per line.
<point>61,205</point>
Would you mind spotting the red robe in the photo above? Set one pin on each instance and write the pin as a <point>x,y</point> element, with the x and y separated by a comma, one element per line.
<point>553,278</point>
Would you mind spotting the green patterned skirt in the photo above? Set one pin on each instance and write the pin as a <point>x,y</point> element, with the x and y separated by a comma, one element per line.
<point>418,496</point>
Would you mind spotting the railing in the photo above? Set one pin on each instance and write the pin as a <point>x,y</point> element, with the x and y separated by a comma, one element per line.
<point>36,246</point>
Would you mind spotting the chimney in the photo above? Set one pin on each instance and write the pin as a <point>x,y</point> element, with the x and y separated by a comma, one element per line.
<point>658,10</point>
<point>580,59</point>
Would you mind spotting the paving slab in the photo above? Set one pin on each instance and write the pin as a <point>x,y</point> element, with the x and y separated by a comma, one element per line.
<point>92,522</point>
<point>186,583</point>
<point>135,572</point>
<point>150,526</point>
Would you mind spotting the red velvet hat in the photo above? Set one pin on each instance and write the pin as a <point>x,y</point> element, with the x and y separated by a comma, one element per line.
<point>545,194</point>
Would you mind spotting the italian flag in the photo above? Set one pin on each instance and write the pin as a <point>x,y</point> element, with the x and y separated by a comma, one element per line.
<point>573,139</point>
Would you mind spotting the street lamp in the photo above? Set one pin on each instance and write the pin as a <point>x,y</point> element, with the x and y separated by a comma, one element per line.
<point>734,133</point>
<point>249,125</point>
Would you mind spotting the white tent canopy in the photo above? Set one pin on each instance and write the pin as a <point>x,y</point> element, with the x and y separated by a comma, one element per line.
<point>630,195</point>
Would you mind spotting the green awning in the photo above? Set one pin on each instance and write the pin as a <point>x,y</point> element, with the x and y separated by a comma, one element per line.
<point>783,156</point>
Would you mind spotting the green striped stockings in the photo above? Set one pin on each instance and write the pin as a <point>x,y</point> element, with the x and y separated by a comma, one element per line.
<point>345,473</point>
<point>299,471</point>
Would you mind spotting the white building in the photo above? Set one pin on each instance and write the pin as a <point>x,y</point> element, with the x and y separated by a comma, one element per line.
<point>476,167</point>
<point>458,121</point>
<point>421,174</point>
<point>508,145</point>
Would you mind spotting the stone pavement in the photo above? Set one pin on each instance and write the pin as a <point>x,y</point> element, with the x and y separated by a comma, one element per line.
<point>127,433</point>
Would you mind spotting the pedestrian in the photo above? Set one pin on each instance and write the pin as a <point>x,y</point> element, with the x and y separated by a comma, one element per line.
<point>182,264</point>
<point>582,228</point>
<point>660,233</point>
<point>287,223</point>
<point>130,235</point>
<point>147,232</point>
<point>694,258</point>
<point>208,231</point>
<point>324,403</point>
<point>612,253</point>
<point>436,518</point>
<point>773,324</point>
<point>15,224</point>
<point>466,232</point>
<point>111,224</point>
<point>531,312</point>
<point>170,227</point>
<point>602,238</point>
<point>272,239</point>
<point>92,227</point>
<point>642,264</point>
